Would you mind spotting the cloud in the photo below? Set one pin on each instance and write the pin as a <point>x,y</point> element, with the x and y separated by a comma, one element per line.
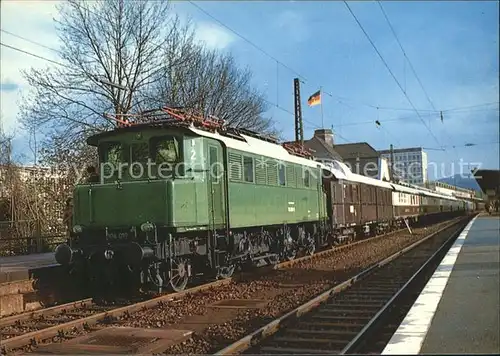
<point>36,25</point>
<point>213,36</point>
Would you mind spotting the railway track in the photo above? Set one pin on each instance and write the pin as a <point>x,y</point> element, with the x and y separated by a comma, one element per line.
<point>33,327</point>
<point>30,328</point>
<point>345,318</point>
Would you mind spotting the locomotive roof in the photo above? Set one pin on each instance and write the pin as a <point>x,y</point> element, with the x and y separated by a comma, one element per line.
<point>256,146</point>
<point>277,151</point>
<point>93,140</point>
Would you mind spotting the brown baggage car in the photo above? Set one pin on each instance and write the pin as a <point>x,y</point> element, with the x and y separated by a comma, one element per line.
<point>358,203</point>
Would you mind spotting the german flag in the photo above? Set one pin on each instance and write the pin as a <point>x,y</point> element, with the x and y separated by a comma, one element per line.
<point>314,99</point>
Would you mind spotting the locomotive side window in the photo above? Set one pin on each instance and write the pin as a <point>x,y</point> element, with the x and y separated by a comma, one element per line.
<point>214,167</point>
<point>248,167</point>
<point>281,174</point>
<point>307,178</point>
<point>165,149</point>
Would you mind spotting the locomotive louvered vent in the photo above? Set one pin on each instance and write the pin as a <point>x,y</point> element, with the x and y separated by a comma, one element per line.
<point>290,175</point>
<point>260,173</point>
<point>235,166</point>
<point>312,181</point>
<point>272,173</point>
<point>299,177</point>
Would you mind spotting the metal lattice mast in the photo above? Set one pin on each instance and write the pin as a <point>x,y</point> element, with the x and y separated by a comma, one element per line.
<point>299,130</point>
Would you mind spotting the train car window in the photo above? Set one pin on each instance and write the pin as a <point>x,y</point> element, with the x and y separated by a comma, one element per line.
<point>165,149</point>
<point>248,169</point>
<point>281,174</point>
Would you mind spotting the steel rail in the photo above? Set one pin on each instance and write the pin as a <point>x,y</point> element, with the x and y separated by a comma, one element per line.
<point>12,319</point>
<point>372,324</point>
<point>35,336</point>
<point>336,249</point>
<point>45,333</point>
<point>271,328</point>
<point>9,320</point>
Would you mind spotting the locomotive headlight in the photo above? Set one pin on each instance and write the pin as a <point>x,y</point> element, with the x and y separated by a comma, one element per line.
<point>147,227</point>
<point>77,229</point>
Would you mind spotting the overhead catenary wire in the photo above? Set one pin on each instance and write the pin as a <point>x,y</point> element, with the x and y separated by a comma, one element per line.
<point>405,55</point>
<point>246,40</point>
<point>86,124</point>
<point>269,102</point>
<point>412,68</point>
<point>390,71</point>
<point>340,98</point>
<point>277,61</point>
<point>470,144</point>
<point>33,55</point>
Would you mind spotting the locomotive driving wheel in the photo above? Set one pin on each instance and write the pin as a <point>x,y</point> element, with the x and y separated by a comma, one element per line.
<point>179,275</point>
<point>272,260</point>
<point>226,271</point>
<point>290,253</point>
<point>311,248</point>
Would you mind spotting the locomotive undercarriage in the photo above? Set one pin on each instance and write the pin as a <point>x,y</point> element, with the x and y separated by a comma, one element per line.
<point>160,259</point>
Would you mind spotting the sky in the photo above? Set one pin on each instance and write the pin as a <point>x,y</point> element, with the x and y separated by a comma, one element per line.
<point>451,46</point>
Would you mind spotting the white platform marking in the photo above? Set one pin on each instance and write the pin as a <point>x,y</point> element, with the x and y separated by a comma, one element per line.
<point>411,333</point>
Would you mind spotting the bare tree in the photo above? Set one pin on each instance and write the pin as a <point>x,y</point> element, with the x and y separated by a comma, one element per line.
<point>212,83</point>
<point>110,51</point>
<point>5,146</point>
<point>118,56</point>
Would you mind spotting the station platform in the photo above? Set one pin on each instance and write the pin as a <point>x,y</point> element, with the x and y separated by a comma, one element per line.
<point>15,268</point>
<point>458,311</point>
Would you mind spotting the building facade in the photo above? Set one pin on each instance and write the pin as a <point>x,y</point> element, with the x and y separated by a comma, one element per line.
<point>451,190</point>
<point>321,145</point>
<point>361,158</point>
<point>410,164</point>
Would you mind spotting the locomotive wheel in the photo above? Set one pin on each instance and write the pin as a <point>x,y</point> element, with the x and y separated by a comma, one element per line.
<point>179,274</point>
<point>290,253</point>
<point>311,248</point>
<point>226,272</point>
<point>272,260</point>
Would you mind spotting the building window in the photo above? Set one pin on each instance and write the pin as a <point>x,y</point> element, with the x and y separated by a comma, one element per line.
<point>248,169</point>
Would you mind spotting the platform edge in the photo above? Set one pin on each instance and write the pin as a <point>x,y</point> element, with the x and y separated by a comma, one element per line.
<point>411,333</point>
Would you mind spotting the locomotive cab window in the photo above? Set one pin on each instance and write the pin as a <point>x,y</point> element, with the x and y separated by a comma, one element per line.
<point>112,152</point>
<point>165,149</point>
<point>139,152</point>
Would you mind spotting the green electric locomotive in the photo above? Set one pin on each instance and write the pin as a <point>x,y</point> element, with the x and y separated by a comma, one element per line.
<point>180,196</point>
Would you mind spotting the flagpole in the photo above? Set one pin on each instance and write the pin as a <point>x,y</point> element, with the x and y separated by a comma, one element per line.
<point>321,104</point>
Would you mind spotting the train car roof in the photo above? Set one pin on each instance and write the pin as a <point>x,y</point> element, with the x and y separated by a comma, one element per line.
<point>337,170</point>
<point>403,189</point>
<point>341,171</point>
<point>367,180</point>
<point>256,146</point>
